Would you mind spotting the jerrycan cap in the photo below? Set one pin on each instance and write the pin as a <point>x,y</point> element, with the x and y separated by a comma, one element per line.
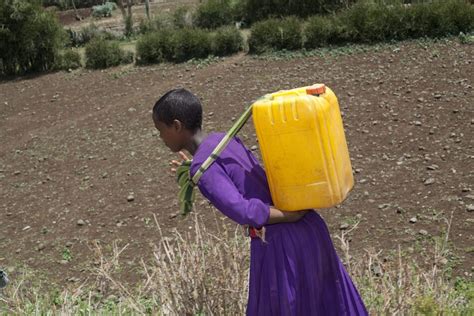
<point>316,89</point>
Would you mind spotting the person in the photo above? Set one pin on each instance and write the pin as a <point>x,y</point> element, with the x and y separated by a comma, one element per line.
<point>294,267</point>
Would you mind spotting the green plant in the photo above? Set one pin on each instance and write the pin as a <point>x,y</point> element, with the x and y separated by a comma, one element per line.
<point>227,41</point>
<point>369,21</point>
<point>190,43</point>
<point>104,10</point>
<point>66,254</point>
<point>70,59</point>
<point>155,47</point>
<point>30,38</point>
<point>181,18</point>
<point>84,35</point>
<point>466,38</point>
<point>290,32</point>
<point>323,30</point>
<point>71,4</point>
<point>101,53</point>
<point>257,10</point>
<point>275,34</point>
<point>213,13</point>
<point>441,18</point>
<point>127,57</point>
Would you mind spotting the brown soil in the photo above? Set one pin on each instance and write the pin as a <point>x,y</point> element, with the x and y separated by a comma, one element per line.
<point>76,145</point>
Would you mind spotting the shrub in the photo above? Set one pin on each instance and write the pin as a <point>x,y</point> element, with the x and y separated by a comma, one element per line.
<point>256,10</point>
<point>30,38</point>
<point>441,18</point>
<point>68,4</point>
<point>69,60</point>
<point>291,35</point>
<point>145,26</point>
<point>182,18</point>
<point>275,34</point>
<point>86,34</point>
<point>323,30</point>
<point>371,22</point>
<point>190,43</point>
<point>101,53</point>
<point>213,13</point>
<point>127,57</point>
<point>227,41</point>
<point>104,10</point>
<point>163,21</point>
<point>155,47</point>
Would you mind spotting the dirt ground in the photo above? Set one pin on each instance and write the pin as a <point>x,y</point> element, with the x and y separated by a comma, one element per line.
<point>80,160</point>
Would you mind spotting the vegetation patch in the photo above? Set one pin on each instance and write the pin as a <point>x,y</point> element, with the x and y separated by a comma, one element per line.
<point>69,60</point>
<point>101,53</point>
<point>30,38</point>
<point>275,34</point>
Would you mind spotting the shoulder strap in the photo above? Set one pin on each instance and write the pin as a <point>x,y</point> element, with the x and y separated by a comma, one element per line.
<point>222,144</point>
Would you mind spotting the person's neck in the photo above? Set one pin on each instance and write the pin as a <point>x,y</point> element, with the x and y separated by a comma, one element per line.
<point>195,141</point>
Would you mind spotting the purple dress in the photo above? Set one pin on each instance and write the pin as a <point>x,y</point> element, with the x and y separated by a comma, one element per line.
<point>296,271</point>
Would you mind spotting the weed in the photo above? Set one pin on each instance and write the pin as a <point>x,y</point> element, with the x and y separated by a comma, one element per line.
<point>66,254</point>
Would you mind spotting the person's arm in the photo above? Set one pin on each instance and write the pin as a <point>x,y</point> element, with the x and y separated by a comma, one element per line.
<point>278,216</point>
<point>216,186</point>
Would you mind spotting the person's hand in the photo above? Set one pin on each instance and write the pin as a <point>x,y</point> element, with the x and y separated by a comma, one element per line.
<point>175,163</point>
<point>279,216</point>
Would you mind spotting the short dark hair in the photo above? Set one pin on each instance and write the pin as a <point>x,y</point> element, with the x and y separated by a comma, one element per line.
<point>181,105</point>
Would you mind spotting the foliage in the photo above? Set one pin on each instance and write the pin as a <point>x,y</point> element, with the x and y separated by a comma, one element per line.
<point>69,59</point>
<point>70,4</point>
<point>214,13</point>
<point>84,35</point>
<point>256,10</point>
<point>366,22</point>
<point>155,47</point>
<point>190,43</point>
<point>323,30</point>
<point>369,21</point>
<point>275,34</point>
<point>165,21</point>
<point>101,53</point>
<point>30,38</point>
<point>104,10</point>
<point>178,45</point>
<point>449,17</point>
<point>182,18</point>
<point>227,41</point>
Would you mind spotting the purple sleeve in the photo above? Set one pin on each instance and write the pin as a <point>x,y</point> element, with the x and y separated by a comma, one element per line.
<point>216,185</point>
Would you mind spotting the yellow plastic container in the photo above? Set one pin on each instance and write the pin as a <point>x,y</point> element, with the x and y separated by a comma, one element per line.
<point>304,148</point>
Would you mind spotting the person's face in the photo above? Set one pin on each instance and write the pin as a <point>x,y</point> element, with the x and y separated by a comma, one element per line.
<point>171,135</point>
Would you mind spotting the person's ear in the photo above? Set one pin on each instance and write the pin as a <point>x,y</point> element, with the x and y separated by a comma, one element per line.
<point>177,125</point>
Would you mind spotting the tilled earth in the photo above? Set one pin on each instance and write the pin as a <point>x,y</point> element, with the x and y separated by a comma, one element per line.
<point>80,161</point>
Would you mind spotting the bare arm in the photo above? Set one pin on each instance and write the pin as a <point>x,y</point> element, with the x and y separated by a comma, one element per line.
<point>278,216</point>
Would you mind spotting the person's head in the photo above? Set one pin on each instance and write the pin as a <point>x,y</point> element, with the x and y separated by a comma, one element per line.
<point>177,116</point>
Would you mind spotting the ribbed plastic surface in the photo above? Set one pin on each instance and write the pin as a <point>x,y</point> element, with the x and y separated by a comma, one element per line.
<point>304,148</point>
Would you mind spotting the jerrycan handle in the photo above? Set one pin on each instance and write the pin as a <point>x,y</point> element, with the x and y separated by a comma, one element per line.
<point>284,93</point>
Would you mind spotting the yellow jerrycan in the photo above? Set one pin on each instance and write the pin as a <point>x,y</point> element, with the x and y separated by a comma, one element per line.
<point>303,146</point>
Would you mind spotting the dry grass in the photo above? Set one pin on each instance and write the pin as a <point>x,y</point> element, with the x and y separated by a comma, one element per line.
<point>201,273</point>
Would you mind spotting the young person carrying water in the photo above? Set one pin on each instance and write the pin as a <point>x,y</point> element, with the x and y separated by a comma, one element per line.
<point>294,268</point>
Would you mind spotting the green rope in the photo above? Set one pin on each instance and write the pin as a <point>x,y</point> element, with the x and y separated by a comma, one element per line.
<point>186,184</point>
